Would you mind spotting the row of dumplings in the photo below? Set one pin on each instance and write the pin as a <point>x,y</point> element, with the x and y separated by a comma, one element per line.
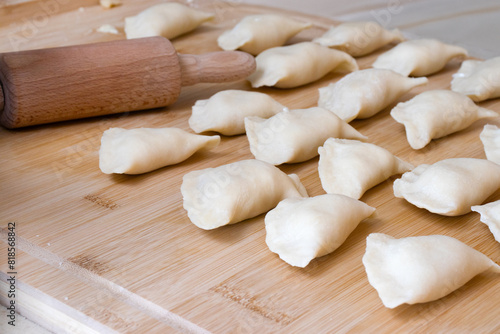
<point>300,228</point>
<point>256,33</point>
<point>425,268</point>
<point>448,187</point>
<point>279,135</point>
<point>298,64</point>
<point>302,63</point>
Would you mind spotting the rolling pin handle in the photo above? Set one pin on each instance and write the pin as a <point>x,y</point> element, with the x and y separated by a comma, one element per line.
<point>215,67</point>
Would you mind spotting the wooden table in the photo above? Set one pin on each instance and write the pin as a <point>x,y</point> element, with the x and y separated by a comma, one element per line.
<point>116,253</point>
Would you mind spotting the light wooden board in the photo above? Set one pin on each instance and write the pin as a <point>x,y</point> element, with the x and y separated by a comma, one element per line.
<point>84,234</point>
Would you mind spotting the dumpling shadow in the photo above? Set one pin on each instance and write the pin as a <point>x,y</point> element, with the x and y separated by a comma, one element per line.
<point>358,237</point>
<point>191,163</point>
<point>290,168</point>
<point>469,136</point>
<point>451,66</point>
<point>130,179</point>
<point>231,233</point>
<point>435,222</point>
<point>493,197</point>
<point>354,243</point>
<point>433,309</point>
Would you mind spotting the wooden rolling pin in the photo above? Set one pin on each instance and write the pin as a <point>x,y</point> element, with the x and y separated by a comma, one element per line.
<point>58,84</point>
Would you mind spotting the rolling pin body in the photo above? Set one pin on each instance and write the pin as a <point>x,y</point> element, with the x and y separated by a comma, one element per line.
<point>57,84</point>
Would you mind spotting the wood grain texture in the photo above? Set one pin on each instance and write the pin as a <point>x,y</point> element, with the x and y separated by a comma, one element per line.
<point>132,232</point>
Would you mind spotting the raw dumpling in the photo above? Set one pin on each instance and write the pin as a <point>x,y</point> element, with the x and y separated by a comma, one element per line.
<point>359,38</point>
<point>490,215</point>
<point>256,33</point>
<point>170,19</point>
<point>301,229</point>
<point>449,187</point>
<point>350,167</point>
<point>225,111</point>
<point>228,194</point>
<point>419,57</point>
<point>295,135</point>
<point>490,136</point>
<point>435,114</point>
<point>478,79</point>
<point>364,93</point>
<point>420,269</point>
<point>142,150</point>
<point>298,64</point>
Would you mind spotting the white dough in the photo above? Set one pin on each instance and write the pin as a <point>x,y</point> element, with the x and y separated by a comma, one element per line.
<point>364,93</point>
<point>490,215</point>
<point>350,167</point>
<point>108,29</point>
<point>295,135</point>
<point>110,3</point>
<point>449,187</point>
<point>479,80</point>
<point>420,269</point>
<point>170,19</point>
<point>256,33</point>
<point>435,114</point>
<point>298,64</point>
<point>419,57</point>
<point>490,137</point>
<point>228,194</point>
<point>301,229</point>
<point>359,38</point>
<point>142,150</point>
<point>225,111</point>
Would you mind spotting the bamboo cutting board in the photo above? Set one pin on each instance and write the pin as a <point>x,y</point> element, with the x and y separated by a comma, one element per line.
<point>104,253</point>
